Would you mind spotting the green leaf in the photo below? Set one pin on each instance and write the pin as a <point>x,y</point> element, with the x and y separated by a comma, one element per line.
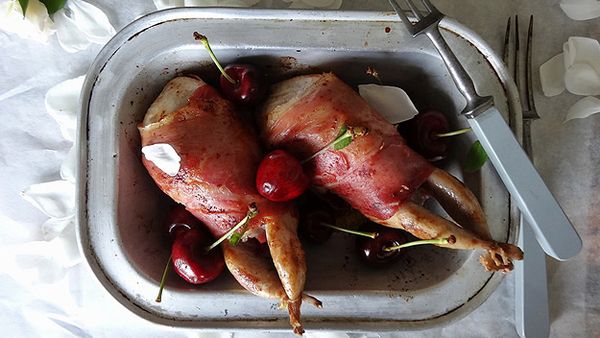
<point>24,4</point>
<point>342,131</point>
<point>476,157</point>
<point>52,6</point>
<point>235,237</point>
<point>342,143</point>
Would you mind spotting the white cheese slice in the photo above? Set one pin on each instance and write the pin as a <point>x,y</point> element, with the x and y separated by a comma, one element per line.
<point>163,156</point>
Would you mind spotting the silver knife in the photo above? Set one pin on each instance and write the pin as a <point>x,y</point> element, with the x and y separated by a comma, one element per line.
<point>552,228</point>
<point>531,284</point>
<point>539,208</point>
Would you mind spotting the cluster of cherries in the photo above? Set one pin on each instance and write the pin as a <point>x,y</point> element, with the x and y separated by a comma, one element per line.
<point>280,177</point>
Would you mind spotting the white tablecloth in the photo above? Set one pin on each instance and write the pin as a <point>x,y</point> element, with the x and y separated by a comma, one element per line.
<point>32,149</point>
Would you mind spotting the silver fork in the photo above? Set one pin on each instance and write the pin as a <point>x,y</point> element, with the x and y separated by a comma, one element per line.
<point>553,230</point>
<point>531,285</point>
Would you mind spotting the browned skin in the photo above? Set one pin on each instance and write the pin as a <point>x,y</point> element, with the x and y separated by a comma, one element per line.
<point>219,156</point>
<point>305,112</point>
<point>460,203</point>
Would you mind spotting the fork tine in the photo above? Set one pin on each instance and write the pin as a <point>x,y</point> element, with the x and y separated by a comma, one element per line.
<point>401,13</point>
<point>517,69</point>
<point>506,50</point>
<point>528,71</point>
<point>414,9</point>
<point>430,8</point>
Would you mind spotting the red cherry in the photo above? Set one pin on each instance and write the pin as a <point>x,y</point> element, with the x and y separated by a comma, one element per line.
<point>179,220</point>
<point>421,133</point>
<point>190,259</point>
<point>280,177</point>
<point>311,226</point>
<point>249,87</point>
<point>371,251</point>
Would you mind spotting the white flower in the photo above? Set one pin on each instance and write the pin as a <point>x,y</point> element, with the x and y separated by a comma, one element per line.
<point>77,25</point>
<point>576,69</point>
<point>36,25</point>
<point>47,261</point>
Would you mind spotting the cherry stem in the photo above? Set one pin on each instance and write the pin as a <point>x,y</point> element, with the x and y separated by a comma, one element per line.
<point>252,211</point>
<point>163,279</point>
<point>347,134</point>
<point>372,235</point>
<point>204,40</point>
<point>453,133</point>
<point>440,241</point>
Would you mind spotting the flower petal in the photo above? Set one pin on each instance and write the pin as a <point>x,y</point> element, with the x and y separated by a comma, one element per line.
<point>582,64</point>
<point>36,25</point>
<point>80,24</point>
<point>67,241</point>
<point>552,75</point>
<point>200,3</point>
<point>392,103</point>
<point>55,199</point>
<point>318,3</point>
<point>164,156</point>
<point>299,4</point>
<point>53,227</point>
<point>321,4</point>
<point>581,9</point>
<point>62,103</point>
<point>237,3</point>
<point>68,169</point>
<point>162,4</point>
<point>583,108</point>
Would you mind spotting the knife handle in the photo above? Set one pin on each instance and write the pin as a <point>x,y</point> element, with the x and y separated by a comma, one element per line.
<point>540,209</point>
<point>531,287</point>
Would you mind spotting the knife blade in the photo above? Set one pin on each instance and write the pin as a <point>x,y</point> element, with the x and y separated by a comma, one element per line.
<point>552,228</point>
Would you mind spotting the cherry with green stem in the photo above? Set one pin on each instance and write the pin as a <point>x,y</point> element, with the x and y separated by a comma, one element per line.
<point>241,83</point>
<point>318,225</point>
<point>386,248</point>
<point>280,176</point>
<point>427,133</point>
<point>435,241</point>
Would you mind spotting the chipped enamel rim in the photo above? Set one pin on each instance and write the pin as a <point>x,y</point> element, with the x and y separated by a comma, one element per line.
<point>335,324</point>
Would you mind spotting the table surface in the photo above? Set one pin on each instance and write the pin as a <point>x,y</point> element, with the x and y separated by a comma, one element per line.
<point>32,149</point>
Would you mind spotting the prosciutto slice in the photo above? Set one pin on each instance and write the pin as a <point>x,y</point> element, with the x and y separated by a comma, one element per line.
<point>376,173</point>
<point>219,157</point>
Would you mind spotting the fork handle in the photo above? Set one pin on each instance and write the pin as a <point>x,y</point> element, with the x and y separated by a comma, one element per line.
<point>475,104</point>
